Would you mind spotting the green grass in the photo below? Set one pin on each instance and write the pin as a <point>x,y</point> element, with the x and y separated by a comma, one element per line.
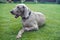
<point>9,26</point>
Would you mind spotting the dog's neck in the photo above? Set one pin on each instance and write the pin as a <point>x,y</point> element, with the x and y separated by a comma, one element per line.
<point>24,18</point>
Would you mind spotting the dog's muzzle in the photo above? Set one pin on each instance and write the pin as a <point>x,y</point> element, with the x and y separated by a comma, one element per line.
<point>11,12</point>
<point>16,16</point>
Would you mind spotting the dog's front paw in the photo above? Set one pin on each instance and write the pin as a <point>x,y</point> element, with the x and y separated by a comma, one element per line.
<point>18,36</point>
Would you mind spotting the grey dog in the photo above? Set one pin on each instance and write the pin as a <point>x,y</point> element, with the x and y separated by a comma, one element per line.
<point>30,20</point>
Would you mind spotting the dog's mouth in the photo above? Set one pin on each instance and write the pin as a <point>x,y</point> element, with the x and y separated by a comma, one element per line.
<point>16,16</point>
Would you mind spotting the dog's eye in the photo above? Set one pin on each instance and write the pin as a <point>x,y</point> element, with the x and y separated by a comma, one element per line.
<point>23,7</point>
<point>17,7</point>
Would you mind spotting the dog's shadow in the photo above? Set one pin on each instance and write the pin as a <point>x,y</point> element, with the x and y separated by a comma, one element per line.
<point>42,26</point>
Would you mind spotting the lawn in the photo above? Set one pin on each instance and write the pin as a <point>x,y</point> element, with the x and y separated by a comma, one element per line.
<point>9,26</point>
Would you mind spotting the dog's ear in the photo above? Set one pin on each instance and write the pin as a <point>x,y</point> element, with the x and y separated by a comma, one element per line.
<point>26,12</point>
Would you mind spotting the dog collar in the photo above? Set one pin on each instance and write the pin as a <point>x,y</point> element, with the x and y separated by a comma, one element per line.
<point>27,17</point>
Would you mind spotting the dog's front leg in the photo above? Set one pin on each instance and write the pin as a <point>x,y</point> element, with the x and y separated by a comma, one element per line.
<point>20,33</point>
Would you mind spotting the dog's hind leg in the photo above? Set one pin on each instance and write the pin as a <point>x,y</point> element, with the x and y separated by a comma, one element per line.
<point>34,27</point>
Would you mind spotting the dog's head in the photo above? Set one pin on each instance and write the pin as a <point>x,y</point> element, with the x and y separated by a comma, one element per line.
<point>20,10</point>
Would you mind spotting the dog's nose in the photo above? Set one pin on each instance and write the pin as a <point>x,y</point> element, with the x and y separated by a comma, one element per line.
<point>11,12</point>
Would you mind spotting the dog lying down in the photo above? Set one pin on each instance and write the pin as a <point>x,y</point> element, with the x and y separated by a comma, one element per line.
<point>30,20</point>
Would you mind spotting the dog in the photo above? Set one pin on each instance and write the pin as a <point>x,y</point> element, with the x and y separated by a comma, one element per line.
<point>30,20</point>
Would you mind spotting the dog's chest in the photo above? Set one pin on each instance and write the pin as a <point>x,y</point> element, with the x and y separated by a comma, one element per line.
<point>27,23</point>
